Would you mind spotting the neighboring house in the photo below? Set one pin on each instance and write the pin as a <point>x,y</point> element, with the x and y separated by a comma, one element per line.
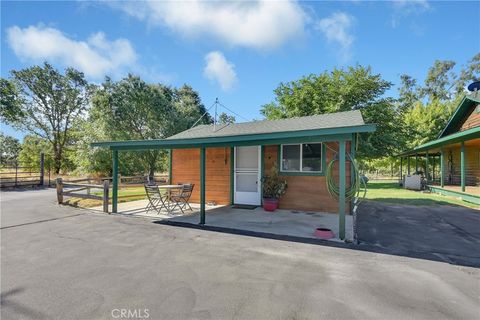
<point>451,163</point>
<point>226,162</point>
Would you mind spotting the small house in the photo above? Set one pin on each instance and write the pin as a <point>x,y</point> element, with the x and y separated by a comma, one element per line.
<point>227,162</point>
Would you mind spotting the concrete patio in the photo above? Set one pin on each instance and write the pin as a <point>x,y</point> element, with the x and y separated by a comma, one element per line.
<point>281,222</point>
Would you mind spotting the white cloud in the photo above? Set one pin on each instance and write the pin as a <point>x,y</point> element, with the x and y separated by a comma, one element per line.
<point>261,24</point>
<point>96,57</point>
<point>337,28</point>
<point>403,8</point>
<point>218,69</point>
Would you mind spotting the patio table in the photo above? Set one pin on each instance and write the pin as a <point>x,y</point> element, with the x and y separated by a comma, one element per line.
<point>170,187</point>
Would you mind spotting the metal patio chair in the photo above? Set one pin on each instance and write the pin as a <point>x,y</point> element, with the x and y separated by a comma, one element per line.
<point>157,199</point>
<point>181,198</point>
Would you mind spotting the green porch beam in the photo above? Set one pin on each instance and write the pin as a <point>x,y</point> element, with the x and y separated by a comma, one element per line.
<point>462,165</point>
<point>442,168</point>
<point>115,181</point>
<point>341,197</point>
<point>202,185</point>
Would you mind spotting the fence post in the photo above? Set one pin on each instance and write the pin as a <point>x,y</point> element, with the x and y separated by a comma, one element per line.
<point>42,168</point>
<point>16,173</point>
<point>88,189</point>
<point>106,184</point>
<point>59,190</point>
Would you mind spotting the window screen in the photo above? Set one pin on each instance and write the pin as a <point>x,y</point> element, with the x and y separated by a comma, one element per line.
<point>291,157</point>
<point>302,157</point>
<point>312,157</point>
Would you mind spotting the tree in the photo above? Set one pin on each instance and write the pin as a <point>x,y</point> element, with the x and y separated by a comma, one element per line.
<point>439,81</point>
<point>408,93</point>
<point>188,104</point>
<point>425,121</point>
<point>131,109</point>
<point>468,74</point>
<point>9,149</point>
<point>32,147</point>
<point>10,101</point>
<point>354,88</point>
<point>46,103</point>
<point>224,118</point>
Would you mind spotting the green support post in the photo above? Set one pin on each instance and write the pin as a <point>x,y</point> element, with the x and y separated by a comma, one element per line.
<point>401,168</point>
<point>115,181</point>
<point>341,197</point>
<point>462,166</point>
<point>442,168</point>
<point>170,155</point>
<point>202,185</point>
<point>416,163</point>
<point>262,170</point>
<point>232,173</point>
<point>353,146</point>
<point>426,165</point>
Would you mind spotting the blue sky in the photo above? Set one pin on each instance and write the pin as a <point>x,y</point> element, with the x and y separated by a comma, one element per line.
<point>238,52</point>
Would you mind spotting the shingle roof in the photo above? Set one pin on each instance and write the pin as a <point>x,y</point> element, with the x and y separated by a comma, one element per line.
<point>323,121</point>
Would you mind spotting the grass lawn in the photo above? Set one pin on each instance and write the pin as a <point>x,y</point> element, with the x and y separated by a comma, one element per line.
<point>391,192</point>
<point>124,195</point>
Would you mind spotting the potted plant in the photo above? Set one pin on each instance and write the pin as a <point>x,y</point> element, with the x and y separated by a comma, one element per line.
<point>273,188</point>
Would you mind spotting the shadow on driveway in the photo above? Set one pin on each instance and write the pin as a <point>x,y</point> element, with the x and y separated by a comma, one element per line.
<point>439,233</point>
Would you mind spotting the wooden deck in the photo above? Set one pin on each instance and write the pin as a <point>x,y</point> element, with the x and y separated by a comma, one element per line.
<point>468,189</point>
<point>471,194</point>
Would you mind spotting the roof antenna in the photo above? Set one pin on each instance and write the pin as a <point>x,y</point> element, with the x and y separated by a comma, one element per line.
<point>215,120</point>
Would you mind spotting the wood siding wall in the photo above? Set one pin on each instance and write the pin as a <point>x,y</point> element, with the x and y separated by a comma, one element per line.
<point>472,121</point>
<point>472,165</point>
<point>307,193</point>
<point>186,168</point>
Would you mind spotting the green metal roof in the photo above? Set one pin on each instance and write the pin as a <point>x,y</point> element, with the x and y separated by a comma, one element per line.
<point>470,134</point>
<point>462,111</point>
<point>323,121</point>
<point>327,127</point>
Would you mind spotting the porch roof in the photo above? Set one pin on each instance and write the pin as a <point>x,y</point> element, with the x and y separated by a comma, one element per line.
<point>460,136</point>
<point>301,129</point>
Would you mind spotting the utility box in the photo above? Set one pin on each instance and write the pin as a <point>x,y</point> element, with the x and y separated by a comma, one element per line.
<point>413,182</point>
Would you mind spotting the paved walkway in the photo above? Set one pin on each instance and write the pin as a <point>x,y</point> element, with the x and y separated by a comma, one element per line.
<point>281,222</point>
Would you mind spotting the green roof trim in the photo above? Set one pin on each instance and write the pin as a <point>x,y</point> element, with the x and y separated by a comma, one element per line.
<point>316,135</point>
<point>470,134</point>
<point>460,113</point>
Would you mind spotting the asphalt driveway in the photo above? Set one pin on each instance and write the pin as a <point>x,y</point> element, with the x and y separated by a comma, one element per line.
<point>63,263</point>
<point>445,233</point>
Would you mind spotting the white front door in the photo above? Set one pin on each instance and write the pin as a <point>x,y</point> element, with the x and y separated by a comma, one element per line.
<point>247,175</point>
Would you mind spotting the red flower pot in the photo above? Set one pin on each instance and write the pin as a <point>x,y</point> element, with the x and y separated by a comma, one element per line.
<point>270,204</point>
<point>323,233</point>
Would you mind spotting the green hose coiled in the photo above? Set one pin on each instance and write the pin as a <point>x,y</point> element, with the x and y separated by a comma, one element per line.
<point>353,190</point>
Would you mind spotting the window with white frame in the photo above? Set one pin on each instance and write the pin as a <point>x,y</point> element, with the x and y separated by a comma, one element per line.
<point>302,157</point>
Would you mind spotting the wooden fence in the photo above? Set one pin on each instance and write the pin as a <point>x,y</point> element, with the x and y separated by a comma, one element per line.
<point>82,187</point>
<point>13,175</point>
<point>79,187</point>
